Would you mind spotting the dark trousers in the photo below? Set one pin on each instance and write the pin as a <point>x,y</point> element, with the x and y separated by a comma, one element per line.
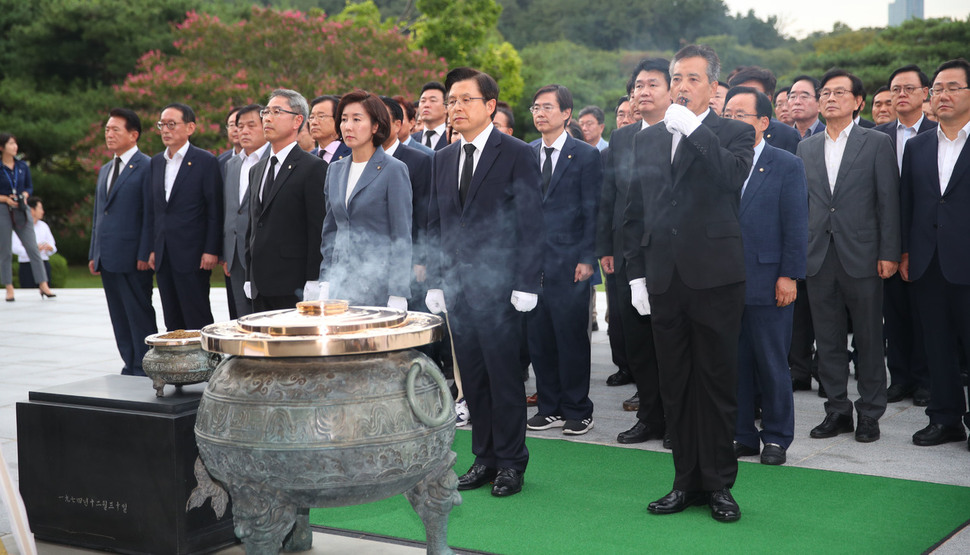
<point>696,333</point>
<point>905,348</point>
<point>830,292</point>
<point>944,311</point>
<point>487,352</point>
<point>641,354</point>
<point>26,274</point>
<point>615,329</point>
<point>559,348</point>
<point>239,304</point>
<point>763,367</point>
<point>262,303</point>
<point>802,337</point>
<point>129,296</point>
<point>185,297</point>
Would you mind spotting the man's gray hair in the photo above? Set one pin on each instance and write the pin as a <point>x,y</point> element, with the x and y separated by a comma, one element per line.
<point>700,51</point>
<point>296,101</point>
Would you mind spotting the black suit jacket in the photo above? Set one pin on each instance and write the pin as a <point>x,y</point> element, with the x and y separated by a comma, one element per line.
<point>618,172</point>
<point>866,124</point>
<point>684,214</point>
<point>284,232</point>
<point>492,245</point>
<point>442,141</point>
<point>781,136</point>
<point>189,223</point>
<point>889,128</point>
<point>419,171</point>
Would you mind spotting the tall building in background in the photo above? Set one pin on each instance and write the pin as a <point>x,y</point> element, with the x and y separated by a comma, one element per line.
<point>901,10</point>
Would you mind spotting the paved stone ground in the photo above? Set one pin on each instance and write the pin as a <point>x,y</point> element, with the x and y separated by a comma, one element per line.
<point>53,342</point>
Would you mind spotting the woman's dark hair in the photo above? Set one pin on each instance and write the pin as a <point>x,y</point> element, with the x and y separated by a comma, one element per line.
<point>5,138</point>
<point>374,108</point>
<point>34,200</point>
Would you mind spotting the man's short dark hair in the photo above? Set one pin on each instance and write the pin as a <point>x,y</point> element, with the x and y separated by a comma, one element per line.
<point>660,65</point>
<point>334,99</point>
<point>815,83</point>
<point>619,102</point>
<point>435,86</point>
<point>504,108</point>
<point>375,110</point>
<point>232,111</point>
<point>594,111</point>
<point>34,200</point>
<point>700,51</point>
<point>574,130</point>
<point>247,109</point>
<point>762,104</point>
<point>188,116</point>
<point>763,76</point>
<point>881,89</point>
<point>923,79</point>
<point>858,89</point>
<point>132,121</point>
<point>563,97</point>
<point>397,114</point>
<point>951,64</point>
<point>487,86</point>
<point>785,90</point>
<point>408,107</point>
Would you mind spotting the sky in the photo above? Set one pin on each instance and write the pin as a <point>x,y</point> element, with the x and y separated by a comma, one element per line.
<point>798,20</point>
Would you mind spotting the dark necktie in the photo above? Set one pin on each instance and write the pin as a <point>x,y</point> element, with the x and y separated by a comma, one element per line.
<point>114,174</point>
<point>268,183</point>
<point>427,137</point>
<point>547,168</point>
<point>467,169</point>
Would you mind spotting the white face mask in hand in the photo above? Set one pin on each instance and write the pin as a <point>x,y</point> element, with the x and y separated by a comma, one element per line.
<point>524,302</point>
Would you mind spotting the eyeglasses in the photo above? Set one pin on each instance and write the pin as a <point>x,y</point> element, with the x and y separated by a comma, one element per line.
<point>275,111</point>
<point>170,124</point>
<point>837,93</point>
<point>738,115</point>
<point>908,89</point>
<point>547,108</point>
<point>793,96</point>
<point>314,117</point>
<point>951,88</point>
<point>463,101</point>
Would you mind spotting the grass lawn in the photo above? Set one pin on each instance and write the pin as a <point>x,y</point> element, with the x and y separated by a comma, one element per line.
<point>78,277</point>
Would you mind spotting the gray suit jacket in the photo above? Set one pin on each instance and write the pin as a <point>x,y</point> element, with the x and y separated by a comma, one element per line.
<point>861,216</point>
<point>366,243</point>
<point>237,212</point>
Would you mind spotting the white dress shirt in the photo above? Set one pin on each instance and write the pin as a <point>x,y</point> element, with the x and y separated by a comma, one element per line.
<point>557,144</point>
<point>834,149</point>
<point>479,142</point>
<point>439,132</point>
<point>356,170</point>
<point>393,148</point>
<point>758,149</point>
<point>947,153</point>
<point>172,165</point>
<point>248,161</point>
<point>904,134</point>
<point>125,158</point>
<point>280,157</point>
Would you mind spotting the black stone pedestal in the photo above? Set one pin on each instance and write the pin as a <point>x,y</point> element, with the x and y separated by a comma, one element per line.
<point>106,464</point>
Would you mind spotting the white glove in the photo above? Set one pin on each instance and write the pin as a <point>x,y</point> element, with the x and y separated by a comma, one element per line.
<point>681,119</point>
<point>311,291</point>
<point>524,302</point>
<point>435,299</point>
<point>248,290</point>
<point>397,303</point>
<point>638,290</point>
<point>324,291</point>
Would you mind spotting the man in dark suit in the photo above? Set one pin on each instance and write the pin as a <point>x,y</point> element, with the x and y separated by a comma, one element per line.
<point>485,228</point>
<point>323,129</point>
<point>778,134</point>
<point>936,239</point>
<point>558,328</point>
<point>286,210</point>
<point>432,113</point>
<point>254,149</point>
<point>803,106</point>
<point>233,135</point>
<point>650,97</point>
<point>882,106</point>
<point>905,347</point>
<point>853,244</point>
<point>186,219</point>
<point>121,239</point>
<point>774,227</point>
<point>683,245</point>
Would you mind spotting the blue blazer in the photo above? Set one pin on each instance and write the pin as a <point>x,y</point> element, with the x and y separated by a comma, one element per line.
<point>419,173</point>
<point>782,136</point>
<point>189,224</point>
<point>935,222</point>
<point>492,245</point>
<point>774,224</point>
<point>569,210</point>
<point>120,231</point>
<point>366,241</point>
<point>419,138</point>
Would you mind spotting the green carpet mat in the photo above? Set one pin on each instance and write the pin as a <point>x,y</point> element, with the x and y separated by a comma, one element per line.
<point>591,499</point>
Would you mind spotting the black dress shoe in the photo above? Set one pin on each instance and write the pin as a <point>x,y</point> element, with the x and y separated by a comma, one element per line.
<point>633,403</point>
<point>896,393</point>
<point>508,482</point>
<point>677,501</point>
<point>621,377</point>
<point>639,433</point>
<point>773,454</point>
<point>938,434</point>
<point>742,450</point>
<point>833,425</point>
<point>801,384</point>
<point>821,391</point>
<point>866,430</point>
<point>477,476</point>
<point>669,445</point>
<point>723,506</point>
<point>921,397</point>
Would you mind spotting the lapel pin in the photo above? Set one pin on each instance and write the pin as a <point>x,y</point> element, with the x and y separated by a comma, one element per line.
<point>378,167</point>
<point>290,167</point>
<point>130,166</point>
<point>190,163</point>
<point>761,169</point>
<point>570,156</point>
